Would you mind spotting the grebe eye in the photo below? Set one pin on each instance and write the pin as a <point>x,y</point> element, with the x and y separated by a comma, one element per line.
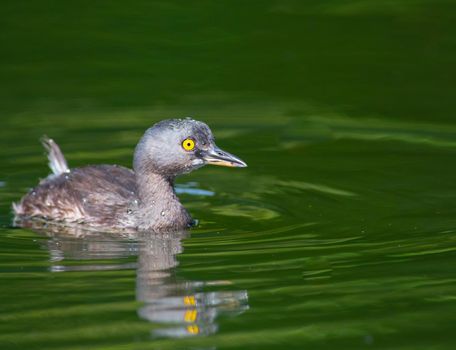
<point>188,144</point>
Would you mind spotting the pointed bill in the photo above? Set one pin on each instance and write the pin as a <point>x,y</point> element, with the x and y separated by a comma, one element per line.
<point>216,156</point>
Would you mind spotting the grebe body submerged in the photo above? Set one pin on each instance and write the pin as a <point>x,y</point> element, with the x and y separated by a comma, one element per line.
<point>115,198</point>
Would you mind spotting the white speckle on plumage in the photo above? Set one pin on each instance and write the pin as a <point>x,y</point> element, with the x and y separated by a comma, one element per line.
<point>197,162</point>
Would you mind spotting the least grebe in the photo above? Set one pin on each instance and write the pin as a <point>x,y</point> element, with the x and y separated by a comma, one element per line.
<point>111,197</point>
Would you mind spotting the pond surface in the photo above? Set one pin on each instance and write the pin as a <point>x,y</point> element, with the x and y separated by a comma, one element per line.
<point>341,233</point>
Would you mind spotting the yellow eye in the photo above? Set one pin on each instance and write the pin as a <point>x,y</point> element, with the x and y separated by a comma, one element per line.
<point>188,144</point>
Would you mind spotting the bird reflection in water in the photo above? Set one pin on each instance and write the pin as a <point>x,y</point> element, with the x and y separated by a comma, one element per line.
<point>183,308</point>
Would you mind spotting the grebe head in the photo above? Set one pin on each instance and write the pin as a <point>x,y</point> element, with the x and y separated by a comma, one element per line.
<point>177,146</point>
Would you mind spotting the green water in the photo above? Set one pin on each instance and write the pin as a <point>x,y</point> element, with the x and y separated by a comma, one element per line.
<point>339,234</point>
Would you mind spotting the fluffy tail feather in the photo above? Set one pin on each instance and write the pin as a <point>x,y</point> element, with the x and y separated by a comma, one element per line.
<point>57,161</point>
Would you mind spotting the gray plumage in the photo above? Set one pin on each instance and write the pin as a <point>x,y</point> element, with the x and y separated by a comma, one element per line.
<point>113,198</point>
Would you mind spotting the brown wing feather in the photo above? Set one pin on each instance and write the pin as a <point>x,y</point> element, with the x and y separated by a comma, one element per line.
<point>96,195</point>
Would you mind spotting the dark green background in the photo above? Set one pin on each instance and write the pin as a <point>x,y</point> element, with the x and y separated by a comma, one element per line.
<point>342,228</point>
